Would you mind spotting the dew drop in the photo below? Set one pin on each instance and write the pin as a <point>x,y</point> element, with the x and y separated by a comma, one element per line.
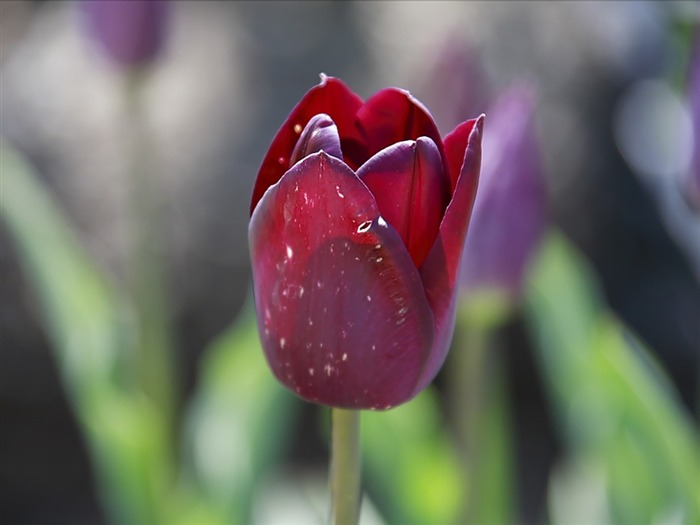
<point>380,259</point>
<point>345,357</point>
<point>365,226</point>
<point>290,253</point>
<point>283,342</point>
<point>337,190</point>
<point>297,128</point>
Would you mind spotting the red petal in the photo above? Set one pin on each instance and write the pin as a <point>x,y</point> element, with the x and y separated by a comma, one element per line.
<point>407,182</point>
<point>393,115</point>
<point>341,310</point>
<point>319,134</point>
<point>441,268</point>
<point>455,148</point>
<point>331,97</point>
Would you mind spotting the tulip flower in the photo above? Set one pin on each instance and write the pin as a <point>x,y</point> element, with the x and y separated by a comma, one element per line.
<point>359,215</point>
<point>130,31</point>
<point>510,211</point>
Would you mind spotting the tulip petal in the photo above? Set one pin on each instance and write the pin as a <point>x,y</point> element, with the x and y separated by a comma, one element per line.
<point>393,115</point>
<point>343,317</point>
<point>440,270</point>
<point>407,182</point>
<point>331,97</point>
<point>320,133</point>
<point>455,146</point>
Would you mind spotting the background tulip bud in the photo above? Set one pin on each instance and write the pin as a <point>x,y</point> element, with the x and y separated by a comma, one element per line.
<point>131,32</point>
<point>692,189</point>
<point>509,212</point>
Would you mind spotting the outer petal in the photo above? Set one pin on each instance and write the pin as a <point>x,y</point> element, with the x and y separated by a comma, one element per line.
<point>440,270</point>
<point>393,115</point>
<point>331,97</point>
<point>455,147</point>
<point>407,182</point>
<point>342,313</point>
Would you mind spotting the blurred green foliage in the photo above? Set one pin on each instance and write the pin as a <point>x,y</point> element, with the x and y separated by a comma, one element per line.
<point>618,414</point>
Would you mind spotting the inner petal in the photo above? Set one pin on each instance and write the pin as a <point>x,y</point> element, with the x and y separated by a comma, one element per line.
<point>393,115</point>
<point>411,191</point>
<point>320,133</point>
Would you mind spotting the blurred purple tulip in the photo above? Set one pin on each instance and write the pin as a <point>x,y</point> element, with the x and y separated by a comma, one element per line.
<point>692,189</point>
<point>509,214</point>
<point>131,32</point>
<point>457,83</point>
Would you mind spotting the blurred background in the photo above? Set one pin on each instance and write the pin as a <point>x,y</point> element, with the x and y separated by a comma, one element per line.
<point>613,119</point>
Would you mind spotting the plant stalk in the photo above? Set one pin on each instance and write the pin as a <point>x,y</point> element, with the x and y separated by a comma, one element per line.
<point>345,467</point>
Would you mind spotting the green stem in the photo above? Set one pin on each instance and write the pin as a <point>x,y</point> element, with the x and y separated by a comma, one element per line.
<point>467,389</point>
<point>480,412</point>
<point>145,266</point>
<point>345,467</point>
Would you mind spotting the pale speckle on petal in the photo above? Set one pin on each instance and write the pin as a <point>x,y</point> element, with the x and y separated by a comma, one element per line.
<point>290,253</point>
<point>345,357</point>
<point>283,342</point>
<point>311,371</point>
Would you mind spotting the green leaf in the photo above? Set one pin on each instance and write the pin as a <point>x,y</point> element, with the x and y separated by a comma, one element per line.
<point>88,326</point>
<point>239,421</point>
<point>618,413</point>
<point>81,312</point>
<point>411,463</point>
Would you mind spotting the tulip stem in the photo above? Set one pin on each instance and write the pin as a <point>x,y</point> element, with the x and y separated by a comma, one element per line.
<point>345,467</point>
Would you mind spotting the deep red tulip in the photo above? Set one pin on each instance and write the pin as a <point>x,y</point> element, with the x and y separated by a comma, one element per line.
<point>359,215</point>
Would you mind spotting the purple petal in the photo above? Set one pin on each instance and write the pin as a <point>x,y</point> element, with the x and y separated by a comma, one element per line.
<point>342,313</point>
<point>509,214</point>
<point>407,182</point>
<point>441,268</point>
<point>320,134</point>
